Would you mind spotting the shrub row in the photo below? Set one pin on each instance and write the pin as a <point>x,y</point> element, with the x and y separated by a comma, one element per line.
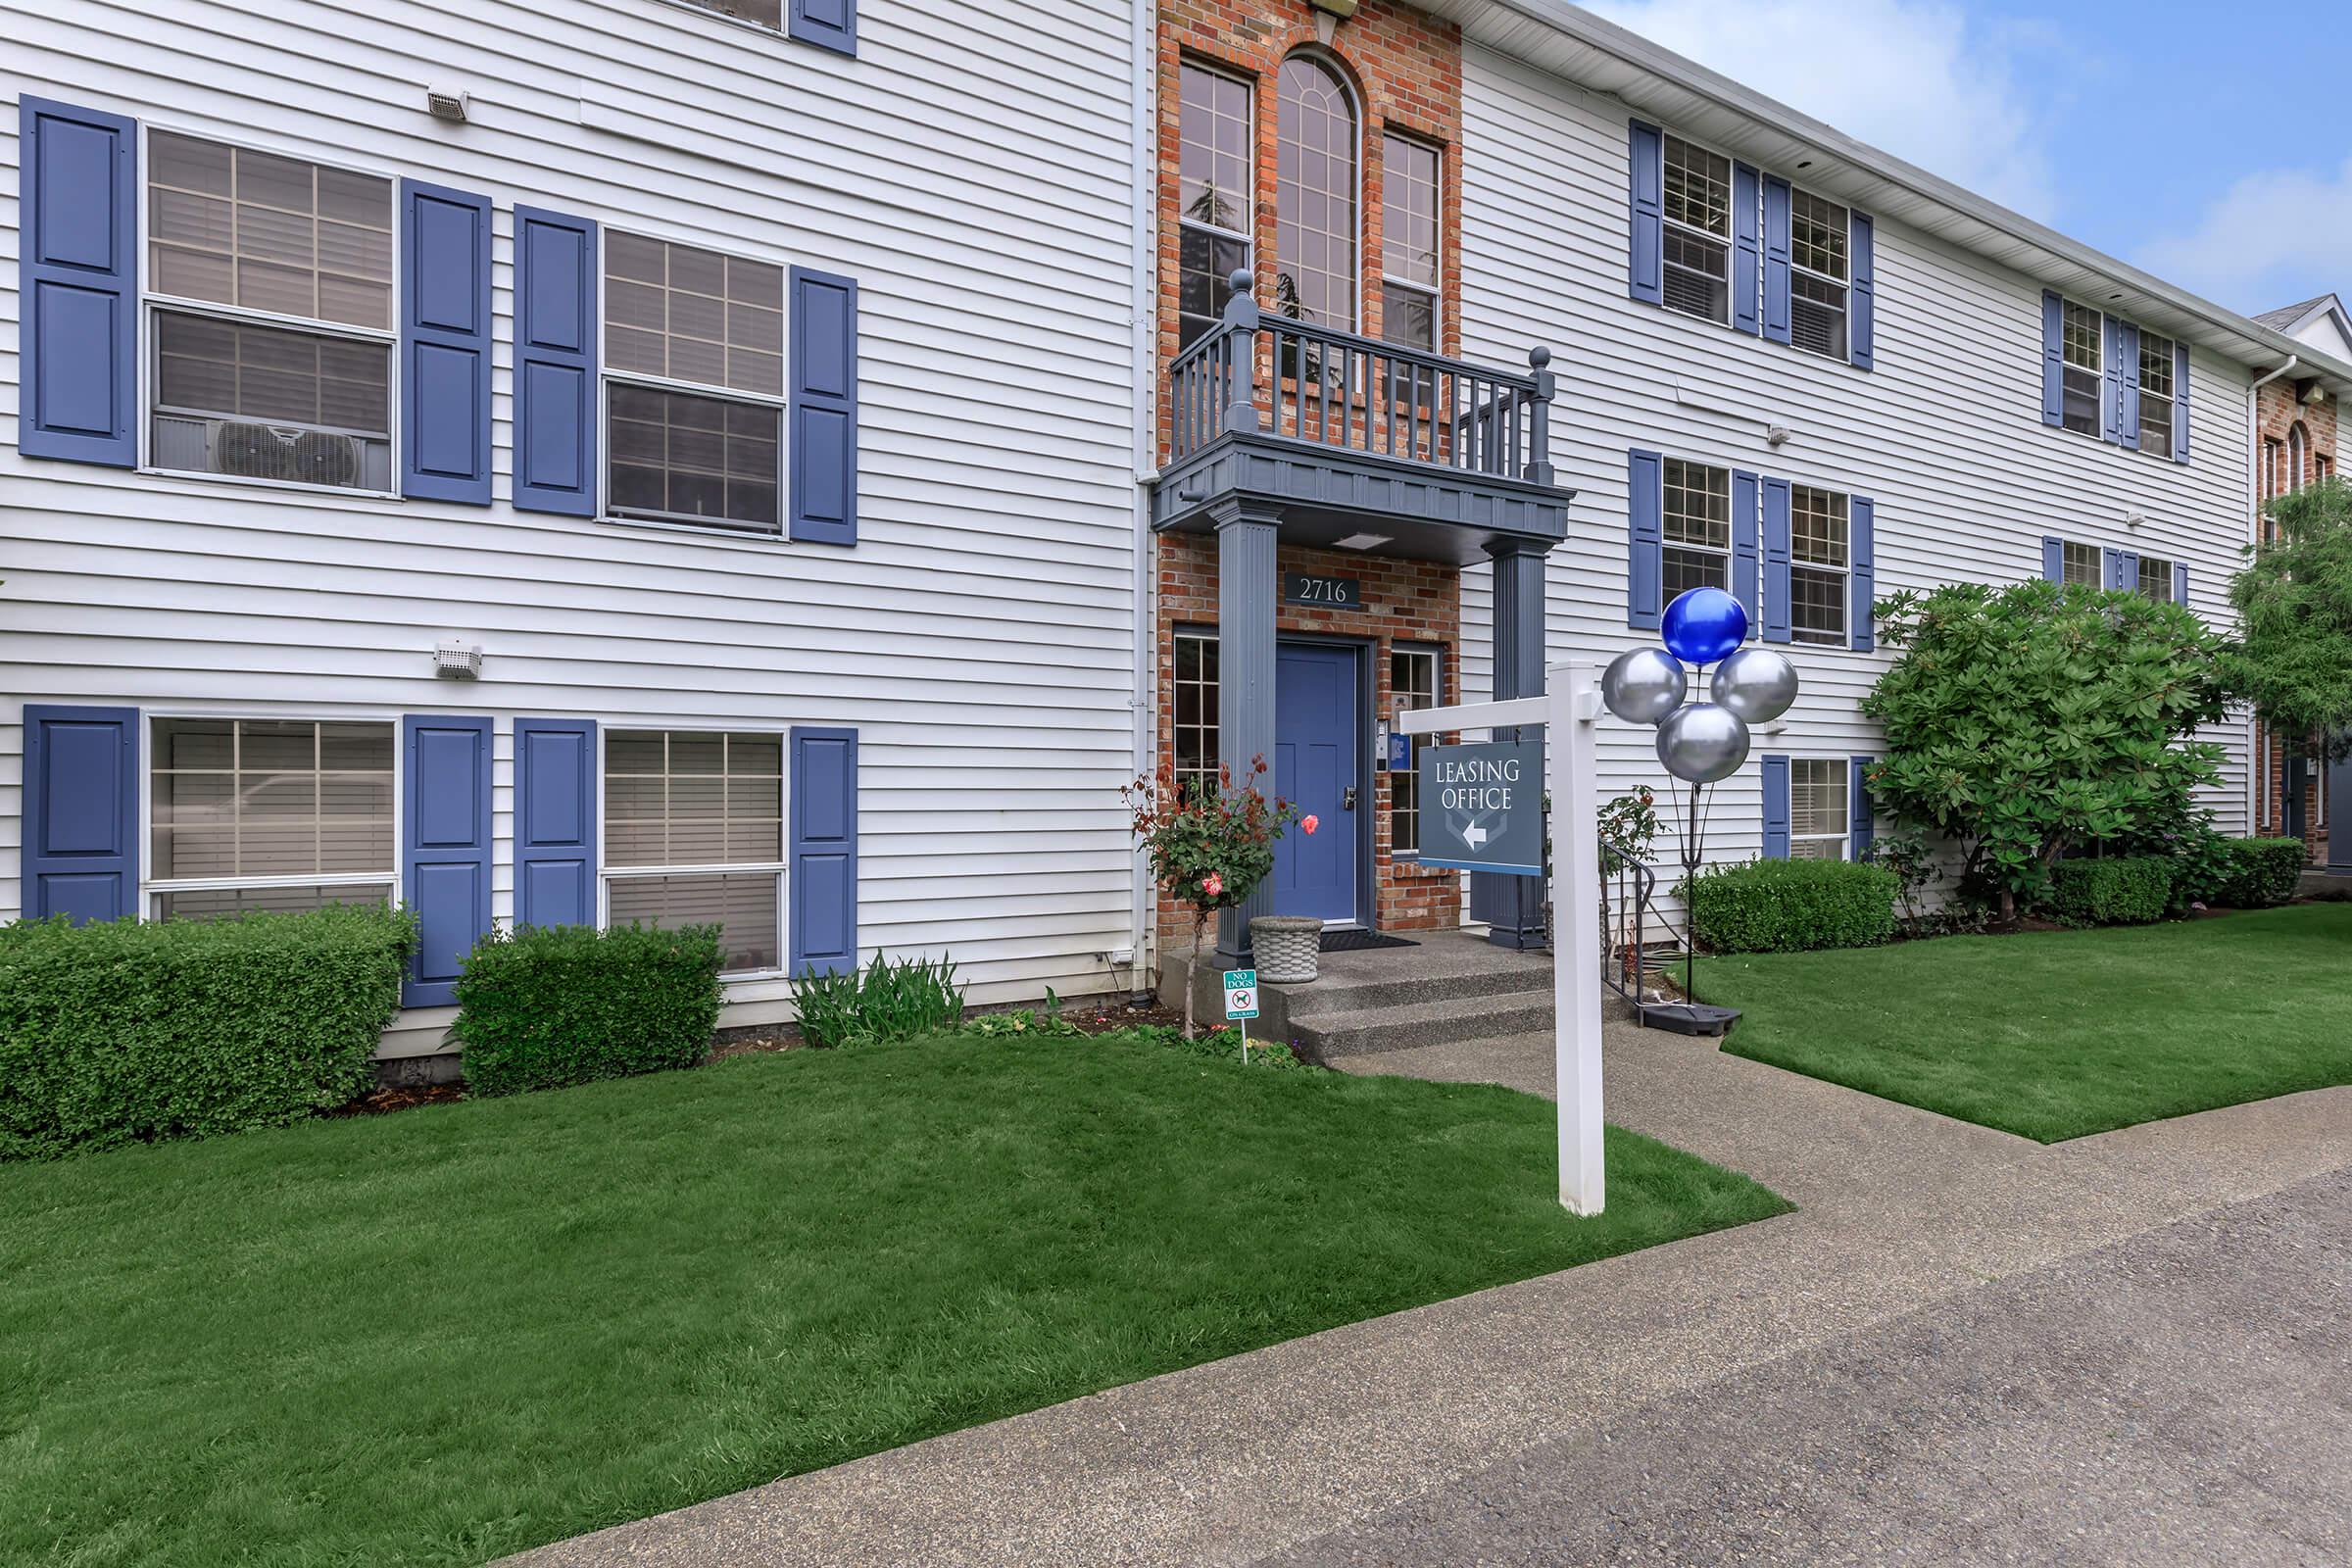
<point>553,1006</point>
<point>136,1031</point>
<point>2116,890</point>
<point>2259,873</point>
<point>1789,905</point>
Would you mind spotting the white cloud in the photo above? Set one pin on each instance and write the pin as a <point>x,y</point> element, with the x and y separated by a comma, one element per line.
<point>2266,242</point>
<point>1914,77</point>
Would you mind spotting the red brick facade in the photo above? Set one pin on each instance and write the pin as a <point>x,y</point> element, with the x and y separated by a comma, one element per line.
<point>1404,72</point>
<point>1410,602</point>
<point>2280,413</point>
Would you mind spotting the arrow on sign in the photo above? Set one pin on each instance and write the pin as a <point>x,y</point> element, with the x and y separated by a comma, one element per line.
<point>1474,836</point>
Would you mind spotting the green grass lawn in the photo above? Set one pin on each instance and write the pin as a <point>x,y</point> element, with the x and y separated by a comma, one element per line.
<point>459,1331</point>
<point>2059,1034</point>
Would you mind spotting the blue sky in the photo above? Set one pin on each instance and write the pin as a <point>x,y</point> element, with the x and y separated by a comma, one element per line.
<point>2209,143</point>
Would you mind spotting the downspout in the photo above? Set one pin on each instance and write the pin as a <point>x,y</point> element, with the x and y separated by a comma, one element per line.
<point>1143,335</point>
<point>2258,784</point>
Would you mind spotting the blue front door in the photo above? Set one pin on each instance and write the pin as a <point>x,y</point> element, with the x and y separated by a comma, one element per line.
<point>1316,719</point>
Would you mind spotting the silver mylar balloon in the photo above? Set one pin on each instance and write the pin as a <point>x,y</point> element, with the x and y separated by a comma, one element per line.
<point>1756,684</point>
<point>1702,742</point>
<point>1643,685</point>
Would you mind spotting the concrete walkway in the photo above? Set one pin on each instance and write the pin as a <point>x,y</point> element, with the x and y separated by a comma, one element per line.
<point>1248,1459</point>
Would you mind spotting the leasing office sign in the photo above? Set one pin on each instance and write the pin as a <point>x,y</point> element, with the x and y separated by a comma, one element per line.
<point>1482,806</point>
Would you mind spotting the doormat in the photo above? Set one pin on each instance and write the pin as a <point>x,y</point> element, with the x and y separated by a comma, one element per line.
<point>1359,941</point>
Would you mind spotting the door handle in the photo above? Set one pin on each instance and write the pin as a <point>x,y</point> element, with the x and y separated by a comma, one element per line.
<point>1348,799</point>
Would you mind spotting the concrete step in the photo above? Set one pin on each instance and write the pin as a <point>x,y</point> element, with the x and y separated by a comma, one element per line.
<point>1358,1031</point>
<point>1527,975</point>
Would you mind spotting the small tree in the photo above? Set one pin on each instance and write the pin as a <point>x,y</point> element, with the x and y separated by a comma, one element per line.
<point>2295,605</point>
<point>1209,846</point>
<point>2024,721</point>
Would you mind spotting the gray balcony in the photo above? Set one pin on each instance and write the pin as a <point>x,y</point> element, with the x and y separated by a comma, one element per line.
<point>1336,436</point>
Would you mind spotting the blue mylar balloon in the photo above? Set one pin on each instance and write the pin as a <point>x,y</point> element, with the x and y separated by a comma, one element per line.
<point>1703,625</point>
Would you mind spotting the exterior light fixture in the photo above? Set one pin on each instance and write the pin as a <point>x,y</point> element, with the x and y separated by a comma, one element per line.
<point>1361,541</point>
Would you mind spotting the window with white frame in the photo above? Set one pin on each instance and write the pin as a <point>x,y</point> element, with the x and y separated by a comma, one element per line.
<point>2082,329</point>
<point>270,289</point>
<point>2155,579</point>
<point>1697,527</point>
<point>1818,826</point>
<point>2079,566</point>
<point>1314,195</point>
<point>1411,189</point>
<point>1215,194</point>
<point>1818,566</point>
<point>270,813</point>
<point>2155,394</point>
<point>1697,230</point>
<point>1195,741</point>
<point>1412,686</point>
<point>766,12</point>
<point>694,385</point>
<point>694,835</point>
<point>1819,265</point>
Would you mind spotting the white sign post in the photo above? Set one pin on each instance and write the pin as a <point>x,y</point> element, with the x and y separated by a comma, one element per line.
<point>1568,710</point>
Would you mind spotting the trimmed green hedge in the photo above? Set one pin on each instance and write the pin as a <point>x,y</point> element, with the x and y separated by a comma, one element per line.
<point>2116,890</point>
<point>137,1031</point>
<point>552,1005</point>
<point>1791,905</point>
<point>2259,873</point>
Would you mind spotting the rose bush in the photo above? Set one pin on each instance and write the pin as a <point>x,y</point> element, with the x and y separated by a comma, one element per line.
<point>1209,846</point>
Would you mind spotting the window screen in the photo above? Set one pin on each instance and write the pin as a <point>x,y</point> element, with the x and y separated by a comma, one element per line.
<point>710,801</point>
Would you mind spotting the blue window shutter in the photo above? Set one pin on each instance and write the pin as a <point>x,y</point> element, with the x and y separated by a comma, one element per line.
<point>824,407</point>
<point>444,344</point>
<point>1745,547</point>
<point>1776,258</point>
<point>2053,559</point>
<point>79,299</point>
<point>2110,566</point>
<point>2053,360</point>
<point>1861,527</point>
<point>2127,570</point>
<point>1646,275</point>
<point>823,867</point>
<point>2180,401</point>
<point>2127,367</point>
<point>827,23</point>
<point>81,813</point>
<point>1775,561</point>
<point>1862,316</point>
<point>2180,583</point>
<point>2111,382</point>
<point>554,821</point>
<point>445,847</point>
<point>1860,828</point>
<point>1645,538</point>
<point>1747,246</point>
<point>554,363</point>
<point>1776,808</point>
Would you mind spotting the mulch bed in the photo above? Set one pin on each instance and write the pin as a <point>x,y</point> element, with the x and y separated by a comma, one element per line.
<point>389,1098</point>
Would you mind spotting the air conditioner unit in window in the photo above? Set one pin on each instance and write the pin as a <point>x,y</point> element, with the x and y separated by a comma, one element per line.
<point>248,451</point>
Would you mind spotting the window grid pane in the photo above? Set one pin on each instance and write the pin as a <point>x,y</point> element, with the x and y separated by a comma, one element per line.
<point>693,315</point>
<point>1409,187</point>
<point>1817,807</point>
<point>698,798</point>
<point>2155,579</point>
<point>1195,716</point>
<point>1698,189</point>
<point>1314,197</point>
<point>268,234</point>
<point>1698,504</point>
<point>236,797</point>
<point>2081,565</point>
<point>688,457</point>
<point>1412,686</point>
<point>1215,198</point>
<point>1817,234</point>
<point>2156,394</point>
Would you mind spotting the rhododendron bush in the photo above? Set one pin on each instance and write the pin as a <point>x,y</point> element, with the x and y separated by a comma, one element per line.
<point>1208,845</point>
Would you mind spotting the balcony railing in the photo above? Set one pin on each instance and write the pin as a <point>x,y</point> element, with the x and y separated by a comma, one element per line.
<point>1257,374</point>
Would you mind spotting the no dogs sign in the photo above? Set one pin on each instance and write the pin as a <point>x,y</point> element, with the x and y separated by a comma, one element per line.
<point>1241,992</point>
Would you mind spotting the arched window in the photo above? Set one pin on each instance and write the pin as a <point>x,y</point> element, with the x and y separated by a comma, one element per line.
<point>1315,196</point>
<point>2297,444</point>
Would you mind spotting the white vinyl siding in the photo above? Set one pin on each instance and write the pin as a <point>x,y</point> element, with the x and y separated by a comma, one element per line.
<point>1946,439</point>
<point>980,637</point>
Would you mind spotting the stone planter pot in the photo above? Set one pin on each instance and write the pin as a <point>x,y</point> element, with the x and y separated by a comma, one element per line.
<point>1289,947</point>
